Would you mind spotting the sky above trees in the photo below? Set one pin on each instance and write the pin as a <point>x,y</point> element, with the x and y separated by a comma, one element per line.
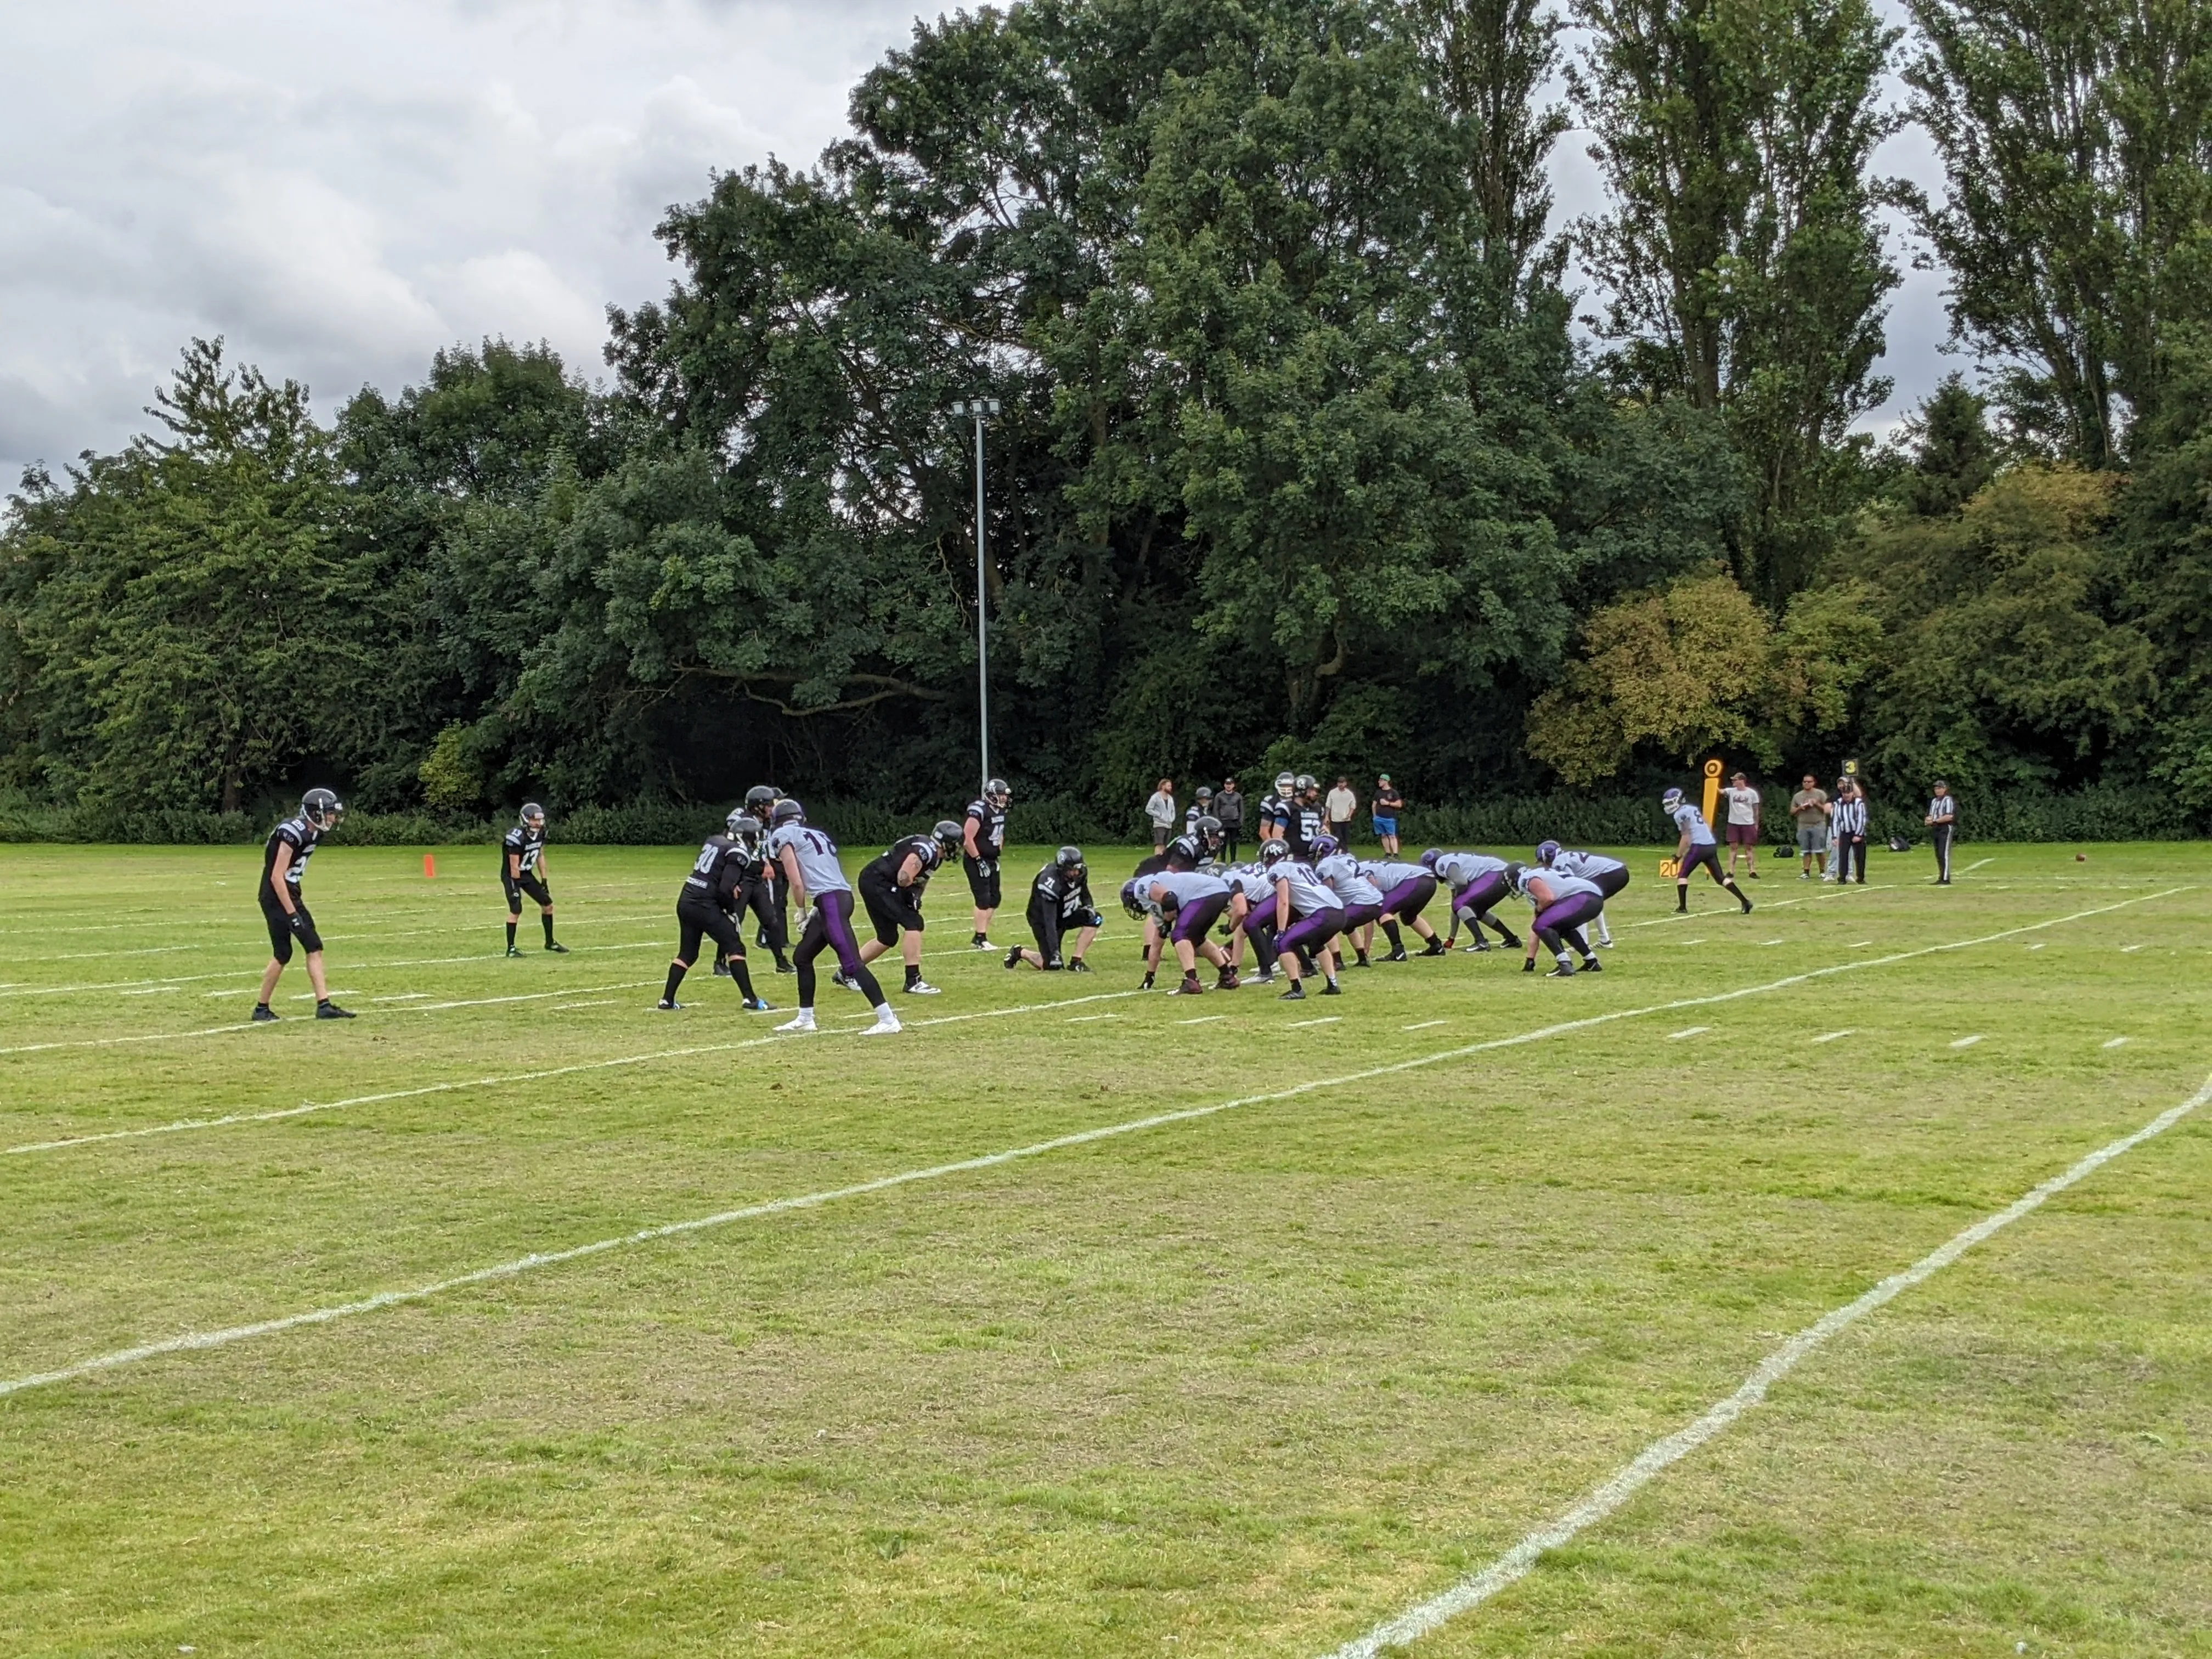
<point>340,191</point>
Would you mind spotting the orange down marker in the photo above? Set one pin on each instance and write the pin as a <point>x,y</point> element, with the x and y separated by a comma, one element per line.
<point>429,867</point>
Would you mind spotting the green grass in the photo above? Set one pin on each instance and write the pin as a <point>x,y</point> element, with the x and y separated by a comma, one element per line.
<point>1243,1384</point>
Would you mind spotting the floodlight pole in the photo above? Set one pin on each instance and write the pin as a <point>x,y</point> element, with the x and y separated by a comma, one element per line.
<point>981,410</point>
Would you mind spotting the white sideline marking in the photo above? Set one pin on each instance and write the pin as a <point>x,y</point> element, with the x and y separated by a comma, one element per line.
<point>1830,1037</point>
<point>1326,1019</point>
<point>307,1107</point>
<point>2115,1043</point>
<point>1202,1019</point>
<point>1688,1030</point>
<point>1604,1500</point>
<point>1692,941</point>
<point>216,1339</point>
<point>1968,1042</point>
<point>1861,944</point>
<point>1424,1026</point>
<point>1772,941</point>
<point>1976,864</point>
<point>110,1042</point>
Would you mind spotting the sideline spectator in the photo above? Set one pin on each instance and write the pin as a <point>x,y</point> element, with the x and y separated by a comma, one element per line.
<point>1849,839</point>
<point>1160,810</point>
<point>1942,821</point>
<point>1742,823</point>
<point>1342,806</point>
<point>1386,806</point>
<point>1229,808</point>
<point>1809,807</point>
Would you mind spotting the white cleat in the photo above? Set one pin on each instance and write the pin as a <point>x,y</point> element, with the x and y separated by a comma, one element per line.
<point>804,1022</point>
<point>922,988</point>
<point>882,1028</point>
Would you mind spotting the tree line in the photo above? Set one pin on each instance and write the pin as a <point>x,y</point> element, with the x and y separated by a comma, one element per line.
<point>1301,461</point>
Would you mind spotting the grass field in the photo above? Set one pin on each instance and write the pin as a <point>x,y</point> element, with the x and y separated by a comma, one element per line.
<point>1250,1382</point>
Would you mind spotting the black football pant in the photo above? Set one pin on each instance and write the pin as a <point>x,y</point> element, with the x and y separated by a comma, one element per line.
<point>1943,834</point>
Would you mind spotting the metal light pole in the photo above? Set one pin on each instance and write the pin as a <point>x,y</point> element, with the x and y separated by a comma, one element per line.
<point>981,410</point>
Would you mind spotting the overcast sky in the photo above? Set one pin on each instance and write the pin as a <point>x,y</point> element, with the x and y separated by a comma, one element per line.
<point>341,189</point>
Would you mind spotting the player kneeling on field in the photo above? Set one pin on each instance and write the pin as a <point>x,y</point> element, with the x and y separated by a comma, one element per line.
<point>1060,904</point>
<point>522,870</point>
<point>291,844</point>
<point>1564,904</point>
<point>707,906</point>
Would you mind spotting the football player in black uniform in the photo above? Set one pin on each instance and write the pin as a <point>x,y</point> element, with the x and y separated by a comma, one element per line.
<point>891,889</point>
<point>1308,823</point>
<point>284,861</point>
<point>1275,808</point>
<point>982,848</point>
<point>755,892</point>
<point>703,907</point>
<point>1060,904</point>
<point>522,870</point>
<point>772,902</point>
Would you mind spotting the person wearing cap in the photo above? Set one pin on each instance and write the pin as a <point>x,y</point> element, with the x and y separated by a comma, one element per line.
<point>1847,820</point>
<point>1386,806</point>
<point>1742,823</point>
<point>1942,822</point>
<point>1229,813</point>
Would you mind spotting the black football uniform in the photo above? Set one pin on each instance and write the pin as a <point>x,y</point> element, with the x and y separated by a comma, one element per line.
<point>1060,906</point>
<point>527,846</point>
<point>1275,816</point>
<point>300,837</point>
<point>895,909</point>
<point>1303,826</point>
<point>709,899</point>
<point>756,890</point>
<point>984,881</point>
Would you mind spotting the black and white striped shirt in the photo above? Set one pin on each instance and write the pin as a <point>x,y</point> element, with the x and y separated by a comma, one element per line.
<point>1943,808</point>
<point>1849,818</point>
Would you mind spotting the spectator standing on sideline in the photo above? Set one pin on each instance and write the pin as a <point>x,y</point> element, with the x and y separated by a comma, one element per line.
<point>1849,824</point>
<point>1386,806</point>
<point>1943,820</point>
<point>1228,812</point>
<point>1742,823</point>
<point>1809,807</point>
<point>1160,810</point>
<point>1342,806</point>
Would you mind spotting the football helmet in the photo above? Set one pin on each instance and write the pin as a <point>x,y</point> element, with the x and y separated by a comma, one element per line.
<point>950,835</point>
<point>1671,801</point>
<point>1545,852</point>
<point>1069,858</point>
<point>1306,784</point>
<point>1322,846</point>
<point>1284,780</point>
<point>1428,860</point>
<point>998,792</point>
<point>1206,829</point>
<point>1273,852</point>
<point>745,829</point>
<point>786,811</point>
<point>1186,848</point>
<point>1132,900</point>
<point>759,799</point>
<point>1204,794</point>
<point>322,808</point>
<point>533,815</point>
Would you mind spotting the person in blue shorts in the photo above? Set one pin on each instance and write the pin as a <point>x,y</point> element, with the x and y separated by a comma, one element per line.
<point>1386,806</point>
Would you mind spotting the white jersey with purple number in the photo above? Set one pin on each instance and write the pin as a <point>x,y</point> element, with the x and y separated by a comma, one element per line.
<point>817,857</point>
<point>1459,870</point>
<point>1342,872</point>
<point>1188,886</point>
<point>1309,893</point>
<point>1385,874</point>
<point>1588,866</point>
<point>1563,885</point>
<point>1692,821</point>
<point>1255,883</point>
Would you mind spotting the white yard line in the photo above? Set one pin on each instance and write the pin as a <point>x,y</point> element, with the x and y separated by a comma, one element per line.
<point>1326,1019</point>
<point>1830,1037</point>
<point>1688,1031</point>
<point>198,1340</point>
<point>564,1007</point>
<point>1202,1019</point>
<point>1425,1024</point>
<point>1977,865</point>
<point>1968,1042</point>
<point>1605,1499</point>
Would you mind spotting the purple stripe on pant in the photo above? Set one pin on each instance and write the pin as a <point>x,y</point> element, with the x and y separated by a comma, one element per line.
<point>1478,895</point>
<point>835,913</point>
<point>1571,911</point>
<point>1409,898</point>
<point>1309,934</point>
<point>1193,919</point>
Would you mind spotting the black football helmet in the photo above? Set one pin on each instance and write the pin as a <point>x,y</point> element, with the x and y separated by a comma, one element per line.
<point>786,811</point>
<point>1204,793</point>
<point>759,800</point>
<point>322,808</point>
<point>950,835</point>
<point>1306,784</point>
<point>1207,832</point>
<point>533,815</point>
<point>1070,859</point>
<point>1273,852</point>
<point>998,792</point>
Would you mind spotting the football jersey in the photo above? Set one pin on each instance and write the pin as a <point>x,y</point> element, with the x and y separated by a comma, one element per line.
<point>1255,883</point>
<point>1187,886</point>
<point>524,843</point>
<point>1151,866</point>
<point>716,871</point>
<point>1692,821</point>
<point>300,837</point>
<point>1566,886</point>
<point>817,856</point>
<point>1056,889</point>
<point>924,848</point>
<point>1588,866</point>
<point>1306,823</point>
<point>1342,873</point>
<point>1385,874</point>
<point>1309,893</point>
<point>990,824</point>
<point>1459,870</point>
<point>1274,812</point>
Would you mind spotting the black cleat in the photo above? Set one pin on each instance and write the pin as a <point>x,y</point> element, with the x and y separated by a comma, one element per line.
<point>783,967</point>
<point>263,1013</point>
<point>1528,966</point>
<point>331,1010</point>
<point>1363,962</point>
<point>1399,955</point>
<point>1078,965</point>
<point>1014,957</point>
<point>556,949</point>
<point>1479,948</point>
<point>1438,948</point>
<point>1147,985</point>
<point>1592,965</point>
<point>1564,970</point>
<point>760,938</point>
<point>1509,942</point>
<point>722,970</point>
<point>1295,994</point>
<point>1332,989</point>
<point>667,1004</point>
<point>755,1006</point>
<point>1746,907</point>
<point>513,951</point>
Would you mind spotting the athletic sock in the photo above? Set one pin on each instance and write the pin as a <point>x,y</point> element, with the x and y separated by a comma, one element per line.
<point>1390,932</point>
<point>676,971</point>
<point>913,977</point>
<point>510,935</point>
<point>743,974</point>
<point>546,916</point>
<point>1682,899</point>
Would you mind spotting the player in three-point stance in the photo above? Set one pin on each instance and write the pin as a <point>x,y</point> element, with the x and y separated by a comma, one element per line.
<point>522,870</point>
<point>1305,916</point>
<point>707,907</point>
<point>1611,875</point>
<point>820,892</point>
<point>891,888</point>
<point>1186,904</point>
<point>1406,890</point>
<point>1696,847</point>
<point>1477,882</point>
<point>1564,904</point>
<point>1060,904</point>
<point>284,861</point>
<point>1363,899</point>
<point>982,851</point>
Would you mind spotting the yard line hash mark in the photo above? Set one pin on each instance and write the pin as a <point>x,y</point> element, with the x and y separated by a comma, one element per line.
<point>1968,1042</point>
<point>1603,1500</point>
<point>1326,1019</point>
<point>1830,1037</point>
<point>2115,1043</point>
<point>1202,1019</point>
<point>195,1341</point>
<point>1976,864</point>
<point>1424,1026</point>
<point>564,1007</point>
<point>1687,1032</point>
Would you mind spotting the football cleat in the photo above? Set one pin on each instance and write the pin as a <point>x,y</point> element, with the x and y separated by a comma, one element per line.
<point>1438,948</point>
<point>721,970</point>
<point>331,1010</point>
<point>1479,946</point>
<point>1014,957</point>
<point>755,1006</point>
<point>556,949</point>
<point>1528,966</point>
<point>1189,988</point>
<point>1228,981</point>
<point>1564,970</point>
<point>1332,989</point>
<point>263,1013</point>
<point>1078,965</point>
<point>805,1021</point>
<point>1399,955</point>
<point>1295,994</point>
<point>668,1005</point>
<point>882,1028</point>
<point>513,951</point>
<point>1592,965</point>
<point>922,988</point>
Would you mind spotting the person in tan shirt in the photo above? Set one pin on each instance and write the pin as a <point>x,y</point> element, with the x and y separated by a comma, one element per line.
<point>1809,807</point>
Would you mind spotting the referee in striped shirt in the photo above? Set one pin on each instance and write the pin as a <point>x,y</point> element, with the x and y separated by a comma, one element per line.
<point>1943,820</point>
<point>1847,825</point>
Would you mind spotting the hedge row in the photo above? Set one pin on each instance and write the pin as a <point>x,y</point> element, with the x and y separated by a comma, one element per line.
<point>2095,814</point>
